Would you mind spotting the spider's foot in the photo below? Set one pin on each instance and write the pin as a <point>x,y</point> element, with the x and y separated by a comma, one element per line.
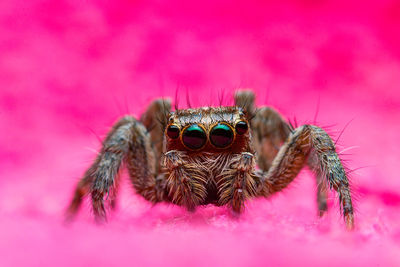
<point>349,219</point>
<point>322,208</point>
<point>70,213</point>
<point>100,217</point>
<point>99,210</point>
<point>113,204</point>
<point>321,213</point>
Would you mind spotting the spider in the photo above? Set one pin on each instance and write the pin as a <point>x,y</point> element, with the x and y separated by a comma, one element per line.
<point>208,155</point>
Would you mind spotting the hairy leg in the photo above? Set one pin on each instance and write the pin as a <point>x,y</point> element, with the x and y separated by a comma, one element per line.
<point>322,195</point>
<point>81,190</point>
<point>270,131</point>
<point>185,181</point>
<point>100,178</point>
<point>155,121</point>
<point>238,183</point>
<point>322,187</point>
<point>245,99</point>
<point>142,163</point>
<point>293,156</point>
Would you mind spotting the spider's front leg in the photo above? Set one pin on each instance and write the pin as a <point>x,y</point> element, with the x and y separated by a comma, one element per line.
<point>137,144</point>
<point>294,154</point>
<point>270,131</point>
<point>126,137</point>
<point>238,182</point>
<point>185,179</point>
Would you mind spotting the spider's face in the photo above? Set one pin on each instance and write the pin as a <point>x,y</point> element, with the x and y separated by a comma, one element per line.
<point>208,130</point>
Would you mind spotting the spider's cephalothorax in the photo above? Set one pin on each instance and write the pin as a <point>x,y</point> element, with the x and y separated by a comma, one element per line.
<point>203,147</point>
<point>208,155</point>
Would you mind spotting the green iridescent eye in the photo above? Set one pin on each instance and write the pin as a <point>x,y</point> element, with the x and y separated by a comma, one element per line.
<point>221,135</point>
<point>194,137</point>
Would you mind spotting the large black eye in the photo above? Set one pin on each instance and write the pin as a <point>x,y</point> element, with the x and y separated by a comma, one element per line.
<point>221,135</point>
<point>194,137</point>
<point>241,127</point>
<point>173,131</point>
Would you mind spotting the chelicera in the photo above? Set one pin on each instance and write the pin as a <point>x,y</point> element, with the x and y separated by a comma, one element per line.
<point>209,155</point>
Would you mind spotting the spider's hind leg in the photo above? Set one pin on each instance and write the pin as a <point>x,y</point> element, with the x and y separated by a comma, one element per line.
<point>155,121</point>
<point>270,132</point>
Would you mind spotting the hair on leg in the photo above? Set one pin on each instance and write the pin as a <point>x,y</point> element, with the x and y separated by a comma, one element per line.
<point>293,156</point>
<point>245,99</point>
<point>322,185</point>
<point>237,183</point>
<point>185,180</point>
<point>99,180</point>
<point>107,165</point>
<point>155,121</point>
<point>270,131</point>
<point>81,190</point>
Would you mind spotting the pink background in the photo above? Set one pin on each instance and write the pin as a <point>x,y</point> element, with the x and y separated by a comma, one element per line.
<point>68,70</point>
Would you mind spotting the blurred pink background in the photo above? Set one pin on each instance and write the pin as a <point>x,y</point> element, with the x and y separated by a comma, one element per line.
<point>69,69</point>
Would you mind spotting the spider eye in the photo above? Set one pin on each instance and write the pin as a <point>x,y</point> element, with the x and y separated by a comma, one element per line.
<point>221,135</point>
<point>173,131</point>
<point>194,137</point>
<point>241,127</point>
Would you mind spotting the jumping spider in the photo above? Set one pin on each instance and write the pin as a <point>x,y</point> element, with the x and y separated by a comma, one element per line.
<point>209,155</point>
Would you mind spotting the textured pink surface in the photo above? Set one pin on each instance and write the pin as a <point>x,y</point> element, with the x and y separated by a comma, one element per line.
<point>68,69</point>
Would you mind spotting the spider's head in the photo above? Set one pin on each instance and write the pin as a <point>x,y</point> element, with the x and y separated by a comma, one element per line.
<point>209,129</point>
